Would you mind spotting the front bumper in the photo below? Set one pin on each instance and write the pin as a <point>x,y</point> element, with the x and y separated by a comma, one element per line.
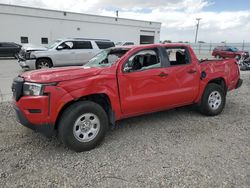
<point>28,64</point>
<point>46,129</point>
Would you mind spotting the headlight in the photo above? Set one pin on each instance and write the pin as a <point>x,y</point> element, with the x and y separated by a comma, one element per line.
<point>29,55</point>
<point>32,89</point>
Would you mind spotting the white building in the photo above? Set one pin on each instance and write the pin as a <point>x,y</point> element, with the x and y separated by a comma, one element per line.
<point>39,26</point>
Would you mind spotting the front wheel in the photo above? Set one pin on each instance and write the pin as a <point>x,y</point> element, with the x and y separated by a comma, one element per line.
<point>213,100</point>
<point>43,64</point>
<point>83,126</point>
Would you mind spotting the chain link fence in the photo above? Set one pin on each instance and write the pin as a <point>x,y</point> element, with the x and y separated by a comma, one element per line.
<point>204,50</point>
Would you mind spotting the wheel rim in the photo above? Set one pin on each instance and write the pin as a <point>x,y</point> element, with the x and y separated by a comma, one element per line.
<point>86,127</point>
<point>43,65</point>
<point>214,100</point>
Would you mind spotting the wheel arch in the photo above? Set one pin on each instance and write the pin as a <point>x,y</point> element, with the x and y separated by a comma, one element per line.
<point>219,81</point>
<point>101,98</point>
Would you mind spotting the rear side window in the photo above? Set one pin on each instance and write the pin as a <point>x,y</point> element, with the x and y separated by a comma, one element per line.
<point>178,56</point>
<point>104,45</point>
<point>82,45</point>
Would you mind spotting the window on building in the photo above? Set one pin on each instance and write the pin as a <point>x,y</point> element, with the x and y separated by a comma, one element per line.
<point>104,44</point>
<point>44,40</point>
<point>24,40</point>
<point>83,45</point>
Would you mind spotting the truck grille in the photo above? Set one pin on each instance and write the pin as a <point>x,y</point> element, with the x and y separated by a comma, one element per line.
<point>17,87</point>
<point>22,53</point>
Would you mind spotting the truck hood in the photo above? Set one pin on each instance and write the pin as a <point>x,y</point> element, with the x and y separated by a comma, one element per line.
<point>59,74</point>
<point>32,47</point>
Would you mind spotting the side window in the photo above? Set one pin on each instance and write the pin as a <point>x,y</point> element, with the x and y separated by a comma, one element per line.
<point>104,45</point>
<point>67,45</point>
<point>143,60</point>
<point>178,56</point>
<point>82,45</point>
<point>24,40</point>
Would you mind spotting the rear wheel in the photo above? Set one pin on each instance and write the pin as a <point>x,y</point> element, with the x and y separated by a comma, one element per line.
<point>43,64</point>
<point>213,100</point>
<point>83,126</point>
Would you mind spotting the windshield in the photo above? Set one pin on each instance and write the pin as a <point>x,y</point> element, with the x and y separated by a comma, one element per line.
<point>119,43</point>
<point>53,44</point>
<point>106,58</point>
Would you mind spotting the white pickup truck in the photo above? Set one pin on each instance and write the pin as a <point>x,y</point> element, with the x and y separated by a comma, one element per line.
<point>62,52</point>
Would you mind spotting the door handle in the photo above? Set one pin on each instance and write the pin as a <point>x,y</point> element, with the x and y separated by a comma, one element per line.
<point>163,74</point>
<point>191,71</point>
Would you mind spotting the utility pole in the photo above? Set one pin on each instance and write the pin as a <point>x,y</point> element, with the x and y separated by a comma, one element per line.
<point>197,29</point>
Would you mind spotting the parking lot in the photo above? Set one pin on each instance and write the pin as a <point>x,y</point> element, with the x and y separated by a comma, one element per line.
<point>175,148</point>
<point>9,69</point>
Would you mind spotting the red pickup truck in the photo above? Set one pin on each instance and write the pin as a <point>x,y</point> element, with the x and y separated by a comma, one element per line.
<point>79,103</point>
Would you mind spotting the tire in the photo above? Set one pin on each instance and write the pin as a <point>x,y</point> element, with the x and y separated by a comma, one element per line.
<point>83,126</point>
<point>218,56</point>
<point>43,63</point>
<point>213,100</point>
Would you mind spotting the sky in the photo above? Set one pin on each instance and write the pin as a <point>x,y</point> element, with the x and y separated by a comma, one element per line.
<point>221,20</point>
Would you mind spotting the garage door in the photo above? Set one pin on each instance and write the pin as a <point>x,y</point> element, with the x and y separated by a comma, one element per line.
<point>147,37</point>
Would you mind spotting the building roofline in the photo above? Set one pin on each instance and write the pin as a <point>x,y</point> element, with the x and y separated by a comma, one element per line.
<point>78,13</point>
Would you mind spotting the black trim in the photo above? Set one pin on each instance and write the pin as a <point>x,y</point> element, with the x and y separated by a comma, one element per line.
<point>239,84</point>
<point>17,87</point>
<point>35,111</point>
<point>46,129</point>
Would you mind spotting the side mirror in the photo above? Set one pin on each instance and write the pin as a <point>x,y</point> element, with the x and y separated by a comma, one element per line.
<point>60,48</point>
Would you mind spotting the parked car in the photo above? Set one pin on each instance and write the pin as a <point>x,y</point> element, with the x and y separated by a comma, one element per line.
<point>125,43</point>
<point>9,49</point>
<point>81,102</point>
<point>228,52</point>
<point>62,52</point>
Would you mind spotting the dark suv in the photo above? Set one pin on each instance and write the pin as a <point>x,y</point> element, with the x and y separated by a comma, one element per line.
<point>9,49</point>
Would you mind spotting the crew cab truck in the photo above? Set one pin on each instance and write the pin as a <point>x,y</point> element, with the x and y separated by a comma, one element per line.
<point>79,103</point>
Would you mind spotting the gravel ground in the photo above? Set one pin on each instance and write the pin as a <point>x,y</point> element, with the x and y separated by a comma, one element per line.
<point>176,148</point>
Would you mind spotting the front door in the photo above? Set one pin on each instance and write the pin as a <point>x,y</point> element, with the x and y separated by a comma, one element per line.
<point>64,56</point>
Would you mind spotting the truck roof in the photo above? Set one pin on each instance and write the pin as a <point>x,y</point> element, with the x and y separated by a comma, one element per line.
<point>152,46</point>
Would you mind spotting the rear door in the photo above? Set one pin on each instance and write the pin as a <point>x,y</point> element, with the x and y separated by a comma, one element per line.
<point>228,52</point>
<point>183,72</point>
